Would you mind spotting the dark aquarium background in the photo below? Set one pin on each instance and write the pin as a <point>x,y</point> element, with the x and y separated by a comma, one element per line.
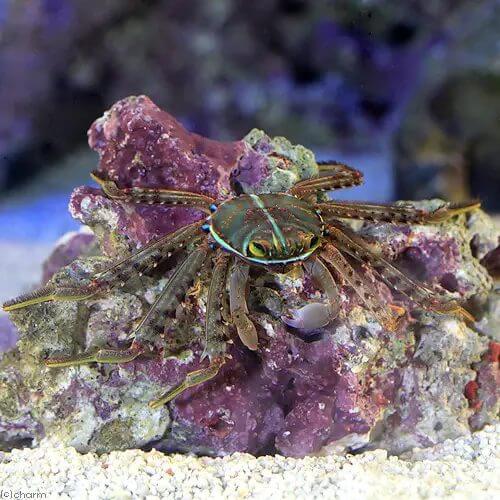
<point>408,92</point>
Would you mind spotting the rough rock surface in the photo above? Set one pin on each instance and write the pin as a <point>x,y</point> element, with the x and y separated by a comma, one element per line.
<point>347,386</point>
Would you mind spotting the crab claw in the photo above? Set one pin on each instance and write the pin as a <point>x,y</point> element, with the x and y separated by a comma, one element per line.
<point>312,316</point>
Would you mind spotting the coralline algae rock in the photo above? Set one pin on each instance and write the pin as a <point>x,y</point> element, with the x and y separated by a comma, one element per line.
<point>347,386</point>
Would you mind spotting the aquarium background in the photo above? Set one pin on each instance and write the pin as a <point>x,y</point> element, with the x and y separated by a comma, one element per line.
<point>408,92</point>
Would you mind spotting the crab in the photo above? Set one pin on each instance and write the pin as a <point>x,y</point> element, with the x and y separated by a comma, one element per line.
<point>275,231</point>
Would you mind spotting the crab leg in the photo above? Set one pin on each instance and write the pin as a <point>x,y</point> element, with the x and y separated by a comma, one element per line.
<point>363,287</point>
<point>392,213</point>
<point>173,291</point>
<point>48,293</point>
<point>103,355</point>
<point>153,196</point>
<point>238,305</point>
<point>150,324</point>
<point>333,175</point>
<point>192,379</point>
<point>153,253</point>
<point>146,257</point>
<point>316,314</point>
<point>214,323</point>
<point>350,243</point>
<point>214,331</point>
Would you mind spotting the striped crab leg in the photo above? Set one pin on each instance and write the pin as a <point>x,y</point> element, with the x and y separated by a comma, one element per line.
<point>147,257</point>
<point>171,294</point>
<point>151,255</point>
<point>154,196</point>
<point>393,213</point>
<point>152,323</point>
<point>192,379</point>
<point>215,322</point>
<point>362,286</point>
<point>347,241</point>
<point>238,309</point>
<point>50,292</point>
<point>333,175</point>
<point>102,355</point>
<point>238,305</point>
<point>215,333</point>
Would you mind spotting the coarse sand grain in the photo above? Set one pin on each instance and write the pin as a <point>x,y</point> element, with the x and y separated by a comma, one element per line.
<point>468,467</point>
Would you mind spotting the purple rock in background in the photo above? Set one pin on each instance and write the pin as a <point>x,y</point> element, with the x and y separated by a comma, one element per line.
<point>141,145</point>
<point>483,393</point>
<point>39,40</point>
<point>326,401</point>
<point>251,170</point>
<point>234,412</point>
<point>70,247</point>
<point>491,261</point>
<point>8,334</point>
<point>348,385</point>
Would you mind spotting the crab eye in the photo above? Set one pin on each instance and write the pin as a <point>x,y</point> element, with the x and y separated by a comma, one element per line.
<point>313,241</point>
<point>257,249</point>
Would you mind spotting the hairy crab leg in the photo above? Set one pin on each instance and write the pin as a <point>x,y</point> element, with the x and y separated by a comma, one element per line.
<point>214,331</point>
<point>363,287</point>
<point>238,305</point>
<point>317,314</point>
<point>153,196</point>
<point>392,213</point>
<point>48,293</point>
<point>103,355</point>
<point>150,324</point>
<point>148,256</point>
<point>152,254</point>
<point>171,294</point>
<point>352,244</point>
<point>333,175</point>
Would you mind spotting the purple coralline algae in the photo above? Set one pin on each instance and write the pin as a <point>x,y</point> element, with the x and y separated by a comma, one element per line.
<point>350,385</point>
<point>8,337</point>
<point>67,249</point>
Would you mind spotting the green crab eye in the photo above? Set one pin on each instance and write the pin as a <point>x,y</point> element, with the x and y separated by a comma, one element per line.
<point>256,249</point>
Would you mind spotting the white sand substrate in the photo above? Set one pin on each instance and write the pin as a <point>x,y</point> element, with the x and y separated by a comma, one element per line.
<point>466,468</point>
